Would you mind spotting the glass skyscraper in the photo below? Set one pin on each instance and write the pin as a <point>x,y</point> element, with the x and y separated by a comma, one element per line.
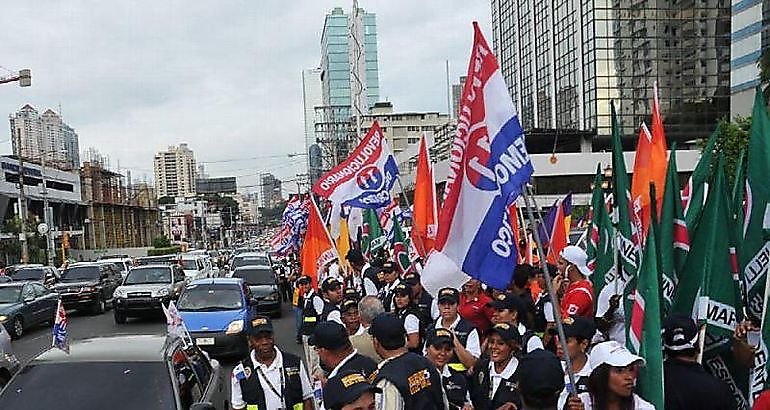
<point>565,61</point>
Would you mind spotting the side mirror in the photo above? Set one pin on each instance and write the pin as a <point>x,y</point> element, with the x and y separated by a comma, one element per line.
<point>203,406</point>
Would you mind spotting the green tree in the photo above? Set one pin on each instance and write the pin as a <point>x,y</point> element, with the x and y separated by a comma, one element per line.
<point>733,138</point>
<point>161,241</point>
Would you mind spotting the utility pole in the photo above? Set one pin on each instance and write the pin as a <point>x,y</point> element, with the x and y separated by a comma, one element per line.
<point>22,202</point>
<point>46,212</point>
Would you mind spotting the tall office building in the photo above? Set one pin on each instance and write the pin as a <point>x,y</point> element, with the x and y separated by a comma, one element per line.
<point>45,137</point>
<point>175,172</point>
<point>565,61</point>
<point>270,190</point>
<point>750,38</point>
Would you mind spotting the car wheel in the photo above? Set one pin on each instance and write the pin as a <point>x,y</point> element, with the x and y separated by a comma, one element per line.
<point>17,328</point>
<point>99,307</point>
<point>120,317</point>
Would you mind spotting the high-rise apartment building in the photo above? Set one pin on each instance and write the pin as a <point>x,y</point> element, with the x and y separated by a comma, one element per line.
<point>565,61</point>
<point>270,190</point>
<point>175,172</point>
<point>750,38</point>
<point>402,129</point>
<point>45,138</point>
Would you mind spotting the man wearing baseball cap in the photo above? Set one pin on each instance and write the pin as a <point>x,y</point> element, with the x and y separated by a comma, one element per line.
<point>319,309</point>
<point>578,298</point>
<point>335,351</point>
<point>422,299</point>
<point>407,380</point>
<point>578,331</point>
<point>349,390</point>
<point>541,378</point>
<point>355,280</point>
<point>509,308</point>
<point>350,317</point>
<point>686,383</point>
<point>269,378</point>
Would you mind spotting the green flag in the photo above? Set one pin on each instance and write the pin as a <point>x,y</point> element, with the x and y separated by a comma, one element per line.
<point>373,237</point>
<point>759,373</point>
<point>400,247</point>
<point>628,243</point>
<point>754,252</point>
<point>694,193</point>
<point>599,245</point>
<point>674,238</point>
<point>645,324</point>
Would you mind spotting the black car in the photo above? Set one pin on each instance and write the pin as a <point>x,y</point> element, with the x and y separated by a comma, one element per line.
<point>147,372</point>
<point>263,287</point>
<point>88,286</point>
<point>47,275</point>
<point>24,305</point>
<point>145,289</point>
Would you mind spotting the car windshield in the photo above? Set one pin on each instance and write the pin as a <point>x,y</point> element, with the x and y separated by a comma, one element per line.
<point>251,261</point>
<point>10,294</point>
<point>148,275</point>
<point>210,297</point>
<point>256,276</point>
<point>80,273</point>
<point>189,264</point>
<point>119,266</point>
<point>66,384</point>
<point>28,274</point>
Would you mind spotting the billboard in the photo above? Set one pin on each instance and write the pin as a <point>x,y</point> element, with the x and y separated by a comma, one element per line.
<point>224,185</point>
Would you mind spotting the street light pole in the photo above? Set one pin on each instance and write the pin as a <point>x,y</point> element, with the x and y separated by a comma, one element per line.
<point>22,202</point>
<point>46,213</point>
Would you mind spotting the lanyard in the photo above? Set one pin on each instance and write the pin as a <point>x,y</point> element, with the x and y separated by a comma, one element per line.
<point>270,385</point>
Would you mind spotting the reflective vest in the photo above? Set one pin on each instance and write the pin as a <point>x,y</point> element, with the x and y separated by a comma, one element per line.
<point>481,389</point>
<point>253,392</point>
<point>416,379</point>
<point>309,316</point>
<point>411,309</point>
<point>455,387</point>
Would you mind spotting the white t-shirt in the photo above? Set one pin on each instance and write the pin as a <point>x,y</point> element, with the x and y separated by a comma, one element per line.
<point>617,331</point>
<point>639,403</point>
<point>411,324</point>
<point>273,375</point>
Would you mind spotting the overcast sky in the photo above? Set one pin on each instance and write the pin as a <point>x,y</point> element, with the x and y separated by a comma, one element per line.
<point>224,76</point>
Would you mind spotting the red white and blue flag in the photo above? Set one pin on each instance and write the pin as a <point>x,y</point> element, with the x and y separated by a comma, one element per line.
<point>489,166</point>
<point>364,179</point>
<point>283,241</point>
<point>60,340</point>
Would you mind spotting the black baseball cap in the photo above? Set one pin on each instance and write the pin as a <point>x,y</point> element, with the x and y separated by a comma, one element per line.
<point>540,374</point>
<point>345,388</point>
<point>330,283</point>
<point>329,335</point>
<point>439,337</point>
<point>388,267</point>
<point>577,326</point>
<point>402,289</point>
<point>507,301</point>
<point>348,304</point>
<point>355,256</point>
<point>451,295</point>
<point>412,279</point>
<point>507,332</point>
<point>388,330</point>
<point>350,293</point>
<point>258,324</point>
<point>679,332</point>
<point>304,280</point>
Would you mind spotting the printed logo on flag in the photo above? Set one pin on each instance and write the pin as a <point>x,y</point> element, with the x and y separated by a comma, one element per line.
<point>60,340</point>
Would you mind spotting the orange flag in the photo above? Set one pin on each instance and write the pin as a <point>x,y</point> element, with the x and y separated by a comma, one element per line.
<point>317,247</point>
<point>425,216</point>
<point>650,164</point>
<point>514,215</point>
<point>558,236</point>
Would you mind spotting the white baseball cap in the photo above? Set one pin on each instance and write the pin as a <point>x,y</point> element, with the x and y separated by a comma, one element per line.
<point>613,354</point>
<point>577,257</point>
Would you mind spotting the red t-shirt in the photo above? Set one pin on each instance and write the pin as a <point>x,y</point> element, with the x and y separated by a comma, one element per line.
<point>578,299</point>
<point>762,402</point>
<point>476,311</point>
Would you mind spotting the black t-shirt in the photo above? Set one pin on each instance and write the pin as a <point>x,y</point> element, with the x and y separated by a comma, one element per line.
<point>687,385</point>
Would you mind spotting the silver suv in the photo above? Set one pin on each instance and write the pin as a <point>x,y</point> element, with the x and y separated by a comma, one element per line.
<point>9,364</point>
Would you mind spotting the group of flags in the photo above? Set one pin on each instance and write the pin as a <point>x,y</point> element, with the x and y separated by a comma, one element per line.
<point>701,251</point>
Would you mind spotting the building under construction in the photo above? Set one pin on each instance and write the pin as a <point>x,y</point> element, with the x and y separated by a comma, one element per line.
<point>334,135</point>
<point>119,215</point>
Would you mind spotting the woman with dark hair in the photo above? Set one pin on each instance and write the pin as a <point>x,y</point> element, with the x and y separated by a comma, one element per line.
<point>612,381</point>
<point>407,311</point>
<point>493,385</point>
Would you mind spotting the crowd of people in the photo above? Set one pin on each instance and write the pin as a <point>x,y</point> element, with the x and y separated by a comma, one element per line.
<point>375,339</point>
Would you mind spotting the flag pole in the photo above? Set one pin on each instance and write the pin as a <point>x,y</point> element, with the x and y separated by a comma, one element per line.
<point>408,205</point>
<point>549,285</point>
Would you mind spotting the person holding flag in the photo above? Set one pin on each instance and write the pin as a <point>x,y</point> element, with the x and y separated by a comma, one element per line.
<point>578,298</point>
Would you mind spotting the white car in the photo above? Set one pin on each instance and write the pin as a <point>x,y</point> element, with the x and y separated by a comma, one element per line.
<point>122,264</point>
<point>196,266</point>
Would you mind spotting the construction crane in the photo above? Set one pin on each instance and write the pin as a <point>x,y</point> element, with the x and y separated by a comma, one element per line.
<point>24,77</point>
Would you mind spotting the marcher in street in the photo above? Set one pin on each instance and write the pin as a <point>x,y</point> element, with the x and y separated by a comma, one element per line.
<point>493,385</point>
<point>269,378</point>
<point>355,280</point>
<point>466,341</point>
<point>422,299</point>
<point>473,305</point>
<point>439,349</point>
<point>686,383</point>
<point>404,309</point>
<point>541,378</point>
<point>336,353</point>
<point>509,309</point>
<point>368,308</point>
<point>390,281</point>
<point>578,297</point>
<point>579,331</point>
<point>349,390</point>
<point>350,317</point>
<point>407,380</point>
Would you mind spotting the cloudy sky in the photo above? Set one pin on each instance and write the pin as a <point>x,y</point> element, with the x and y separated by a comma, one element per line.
<point>223,76</point>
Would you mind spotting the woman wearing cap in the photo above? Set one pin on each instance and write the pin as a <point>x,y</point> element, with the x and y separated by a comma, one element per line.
<point>578,298</point>
<point>439,349</point>
<point>406,310</point>
<point>578,331</point>
<point>612,381</point>
<point>493,385</point>
<point>467,347</point>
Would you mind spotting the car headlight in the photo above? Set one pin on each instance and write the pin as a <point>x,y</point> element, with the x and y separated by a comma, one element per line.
<point>3,318</point>
<point>87,289</point>
<point>272,297</point>
<point>119,293</point>
<point>161,292</point>
<point>235,327</point>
